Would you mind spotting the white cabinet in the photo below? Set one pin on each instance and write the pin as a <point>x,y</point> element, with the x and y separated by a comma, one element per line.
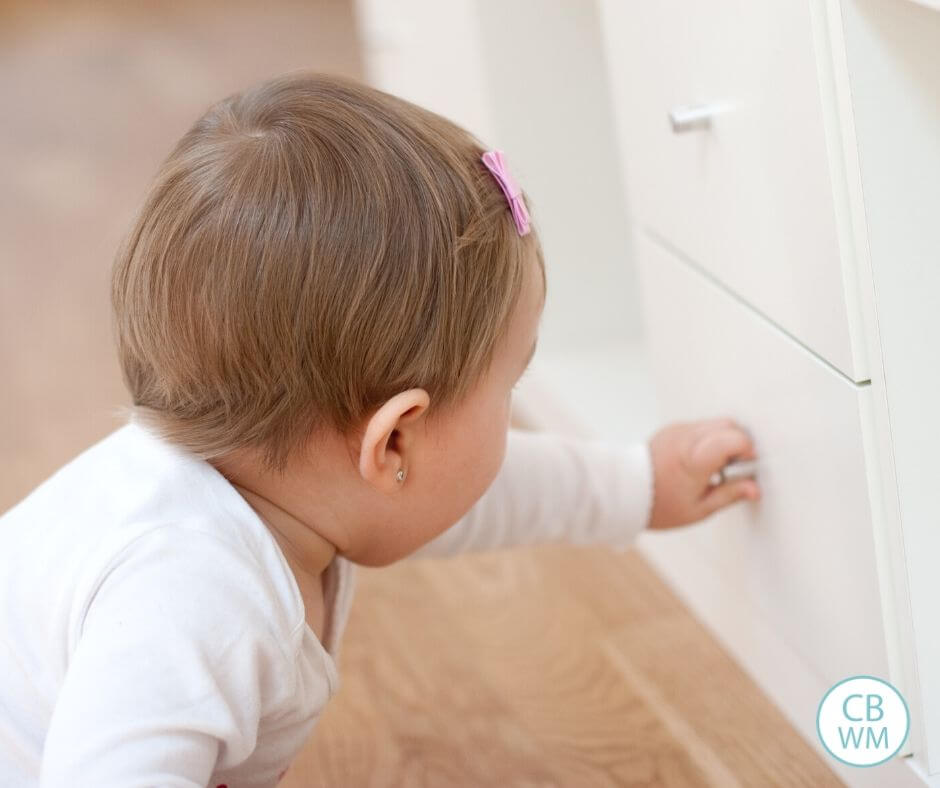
<point>789,253</point>
<point>803,556</point>
<point>749,196</point>
<point>892,51</point>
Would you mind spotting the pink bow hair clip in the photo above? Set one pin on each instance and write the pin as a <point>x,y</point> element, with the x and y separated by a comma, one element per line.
<point>496,163</point>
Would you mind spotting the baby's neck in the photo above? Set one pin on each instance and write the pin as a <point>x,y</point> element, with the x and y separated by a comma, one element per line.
<point>307,553</point>
<point>302,546</point>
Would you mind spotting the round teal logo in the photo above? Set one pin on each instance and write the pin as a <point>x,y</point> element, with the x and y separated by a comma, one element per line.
<point>863,721</point>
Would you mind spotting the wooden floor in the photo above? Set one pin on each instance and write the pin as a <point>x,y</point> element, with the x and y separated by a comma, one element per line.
<point>524,668</point>
<point>552,666</point>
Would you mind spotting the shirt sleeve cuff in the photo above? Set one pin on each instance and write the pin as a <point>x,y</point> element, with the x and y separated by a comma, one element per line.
<point>628,476</point>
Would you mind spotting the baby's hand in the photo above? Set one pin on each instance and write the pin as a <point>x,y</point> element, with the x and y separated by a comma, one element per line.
<point>685,455</point>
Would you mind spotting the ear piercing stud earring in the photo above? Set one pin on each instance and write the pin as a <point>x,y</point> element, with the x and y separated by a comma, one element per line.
<point>400,476</point>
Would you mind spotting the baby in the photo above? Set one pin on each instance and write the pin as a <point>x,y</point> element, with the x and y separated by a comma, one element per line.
<point>320,313</point>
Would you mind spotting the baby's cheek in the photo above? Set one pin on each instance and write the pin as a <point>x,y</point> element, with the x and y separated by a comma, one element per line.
<point>498,451</point>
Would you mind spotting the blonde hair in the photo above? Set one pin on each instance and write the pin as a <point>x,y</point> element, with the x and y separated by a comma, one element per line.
<point>310,248</point>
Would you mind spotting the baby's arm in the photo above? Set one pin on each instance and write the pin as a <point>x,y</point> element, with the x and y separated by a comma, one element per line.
<point>175,663</point>
<point>553,488</point>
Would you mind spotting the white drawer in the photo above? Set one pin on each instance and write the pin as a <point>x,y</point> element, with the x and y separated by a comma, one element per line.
<point>751,199</point>
<point>802,559</point>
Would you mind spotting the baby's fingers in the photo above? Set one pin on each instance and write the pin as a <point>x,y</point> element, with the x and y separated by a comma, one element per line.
<point>715,449</point>
<point>728,493</point>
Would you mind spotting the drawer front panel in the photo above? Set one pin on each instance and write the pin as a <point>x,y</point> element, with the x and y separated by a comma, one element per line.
<point>804,555</point>
<point>749,197</point>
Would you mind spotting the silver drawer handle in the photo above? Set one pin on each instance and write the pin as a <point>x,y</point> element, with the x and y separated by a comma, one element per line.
<point>737,469</point>
<point>693,116</point>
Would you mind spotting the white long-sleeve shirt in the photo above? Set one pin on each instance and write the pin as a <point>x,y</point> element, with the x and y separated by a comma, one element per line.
<point>151,631</point>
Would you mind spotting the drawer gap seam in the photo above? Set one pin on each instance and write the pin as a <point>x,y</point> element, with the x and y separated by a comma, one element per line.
<point>656,238</point>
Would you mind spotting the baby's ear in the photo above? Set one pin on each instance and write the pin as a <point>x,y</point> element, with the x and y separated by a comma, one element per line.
<point>385,448</point>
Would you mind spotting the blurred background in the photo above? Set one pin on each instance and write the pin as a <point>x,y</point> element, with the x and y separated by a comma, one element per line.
<point>95,94</point>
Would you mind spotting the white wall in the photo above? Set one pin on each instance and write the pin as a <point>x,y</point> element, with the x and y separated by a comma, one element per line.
<point>529,77</point>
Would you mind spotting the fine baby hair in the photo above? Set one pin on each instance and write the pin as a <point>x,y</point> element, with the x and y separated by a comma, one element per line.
<point>310,248</point>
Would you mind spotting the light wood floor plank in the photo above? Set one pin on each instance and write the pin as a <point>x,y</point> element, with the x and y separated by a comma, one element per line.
<point>553,666</point>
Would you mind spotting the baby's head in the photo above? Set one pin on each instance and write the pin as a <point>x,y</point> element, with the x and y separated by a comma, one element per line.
<point>324,271</point>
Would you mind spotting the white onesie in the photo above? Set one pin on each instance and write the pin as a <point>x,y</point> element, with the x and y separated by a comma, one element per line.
<point>151,632</point>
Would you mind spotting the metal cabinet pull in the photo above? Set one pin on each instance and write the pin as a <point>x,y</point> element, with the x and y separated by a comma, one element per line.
<point>693,116</point>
